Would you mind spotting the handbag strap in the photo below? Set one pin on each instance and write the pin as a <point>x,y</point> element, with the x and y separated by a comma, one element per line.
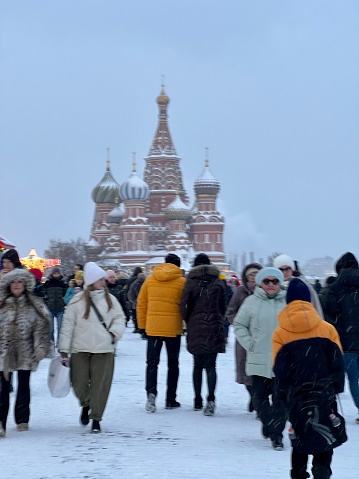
<point>102,321</point>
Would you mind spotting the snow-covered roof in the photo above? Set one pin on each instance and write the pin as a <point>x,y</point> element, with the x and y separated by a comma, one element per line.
<point>177,210</point>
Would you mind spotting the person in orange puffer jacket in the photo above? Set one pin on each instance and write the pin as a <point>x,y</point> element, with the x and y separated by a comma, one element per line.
<point>158,312</point>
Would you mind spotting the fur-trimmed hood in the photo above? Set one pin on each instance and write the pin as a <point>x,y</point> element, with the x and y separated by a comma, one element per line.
<point>203,271</point>
<point>22,275</point>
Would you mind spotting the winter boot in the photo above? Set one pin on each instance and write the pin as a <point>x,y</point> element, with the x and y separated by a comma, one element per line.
<point>198,404</point>
<point>277,444</point>
<point>95,428</point>
<point>84,418</point>
<point>172,404</point>
<point>2,430</point>
<point>22,427</point>
<point>151,403</point>
<point>209,409</point>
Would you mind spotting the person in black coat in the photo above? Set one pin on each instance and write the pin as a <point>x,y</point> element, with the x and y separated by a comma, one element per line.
<point>340,303</point>
<point>55,290</point>
<point>203,309</point>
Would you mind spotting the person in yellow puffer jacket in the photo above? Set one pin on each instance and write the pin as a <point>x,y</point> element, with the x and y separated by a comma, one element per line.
<point>158,312</point>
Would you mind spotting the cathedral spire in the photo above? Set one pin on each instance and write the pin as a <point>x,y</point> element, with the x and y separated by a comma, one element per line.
<point>162,143</point>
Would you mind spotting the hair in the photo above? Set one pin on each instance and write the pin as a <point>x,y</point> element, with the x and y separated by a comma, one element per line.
<point>80,266</point>
<point>173,259</point>
<point>87,300</point>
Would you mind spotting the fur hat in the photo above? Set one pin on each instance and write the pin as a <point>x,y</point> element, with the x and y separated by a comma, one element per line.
<point>201,258</point>
<point>12,255</point>
<point>79,275</point>
<point>17,274</point>
<point>297,291</point>
<point>36,272</point>
<point>283,260</point>
<point>92,273</point>
<point>266,272</point>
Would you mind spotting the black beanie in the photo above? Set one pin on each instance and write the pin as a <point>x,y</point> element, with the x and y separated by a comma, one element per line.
<point>297,291</point>
<point>12,255</point>
<point>173,259</point>
<point>201,258</point>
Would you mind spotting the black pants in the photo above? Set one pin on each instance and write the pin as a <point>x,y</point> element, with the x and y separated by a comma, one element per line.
<point>154,346</point>
<point>273,415</point>
<point>22,404</point>
<point>320,465</point>
<point>207,362</point>
<point>134,317</point>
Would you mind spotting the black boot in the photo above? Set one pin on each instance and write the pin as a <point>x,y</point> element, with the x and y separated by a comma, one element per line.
<point>84,418</point>
<point>96,428</point>
<point>198,403</point>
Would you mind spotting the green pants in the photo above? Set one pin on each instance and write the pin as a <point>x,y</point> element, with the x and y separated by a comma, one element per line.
<point>91,378</point>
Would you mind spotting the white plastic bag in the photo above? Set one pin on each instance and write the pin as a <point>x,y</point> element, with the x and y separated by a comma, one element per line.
<point>58,379</point>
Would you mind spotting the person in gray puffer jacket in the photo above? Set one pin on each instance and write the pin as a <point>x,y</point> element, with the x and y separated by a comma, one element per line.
<point>203,309</point>
<point>24,342</point>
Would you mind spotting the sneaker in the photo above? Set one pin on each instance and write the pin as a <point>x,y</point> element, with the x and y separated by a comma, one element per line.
<point>84,418</point>
<point>277,444</point>
<point>209,409</point>
<point>22,427</point>
<point>95,428</point>
<point>2,430</point>
<point>151,403</point>
<point>172,404</point>
<point>198,404</point>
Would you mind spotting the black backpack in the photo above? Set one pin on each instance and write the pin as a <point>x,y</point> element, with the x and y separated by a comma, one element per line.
<point>318,427</point>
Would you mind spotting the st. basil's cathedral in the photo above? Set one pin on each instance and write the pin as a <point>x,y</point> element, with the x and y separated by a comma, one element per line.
<point>140,221</point>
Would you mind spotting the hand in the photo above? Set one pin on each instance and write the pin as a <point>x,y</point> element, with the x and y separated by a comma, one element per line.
<point>113,337</point>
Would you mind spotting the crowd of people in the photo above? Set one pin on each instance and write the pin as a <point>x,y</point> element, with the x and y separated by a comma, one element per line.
<point>293,340</point>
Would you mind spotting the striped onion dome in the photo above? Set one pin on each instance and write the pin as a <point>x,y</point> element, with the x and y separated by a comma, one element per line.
<point>107,190</point>
<point>177,210</point>
<point>134,188</point>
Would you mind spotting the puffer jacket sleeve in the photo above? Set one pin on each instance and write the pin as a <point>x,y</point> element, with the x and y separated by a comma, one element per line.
<point>141,308</point>
<point>186,306</point>
<point>118,322</point>
<point>276,345</point>
<point>68,326</point>
<point>241,325</point>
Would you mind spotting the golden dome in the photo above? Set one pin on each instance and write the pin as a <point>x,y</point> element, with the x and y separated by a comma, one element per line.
<point>163,99</point>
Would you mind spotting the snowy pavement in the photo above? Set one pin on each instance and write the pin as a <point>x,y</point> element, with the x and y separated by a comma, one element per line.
<point>170,444</point>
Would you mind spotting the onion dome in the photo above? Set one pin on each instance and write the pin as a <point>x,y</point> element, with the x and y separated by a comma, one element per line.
<point>134,188</point>
<point>107,190</point>
<point>115,215</point>
<point>206,183</point>
<point>163,99</point>
<point>177,210</point>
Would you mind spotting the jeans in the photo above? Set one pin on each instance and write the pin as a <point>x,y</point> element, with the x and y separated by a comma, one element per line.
<point>207,362</point>
<point>320,465</point>
<point>351,364</point>
<point>58,315</point>
<point>273,415</point>
<point>22,404</point>
<point>154,346</point>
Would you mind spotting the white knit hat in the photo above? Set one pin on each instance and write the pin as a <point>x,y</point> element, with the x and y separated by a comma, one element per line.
<point>93,273</point>
<point>283,260</point>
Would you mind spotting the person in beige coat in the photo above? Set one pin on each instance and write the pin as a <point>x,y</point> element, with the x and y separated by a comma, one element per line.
<point>92,324</point>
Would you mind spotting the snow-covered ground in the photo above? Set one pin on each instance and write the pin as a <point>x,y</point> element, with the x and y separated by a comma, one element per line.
<point>172,444</point>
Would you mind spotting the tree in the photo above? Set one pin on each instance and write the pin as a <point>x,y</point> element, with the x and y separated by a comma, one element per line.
<point>69,252</point>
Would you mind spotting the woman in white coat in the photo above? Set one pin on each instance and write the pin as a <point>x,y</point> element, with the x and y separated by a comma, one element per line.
<point>92,324</point>
<point>253,327</point>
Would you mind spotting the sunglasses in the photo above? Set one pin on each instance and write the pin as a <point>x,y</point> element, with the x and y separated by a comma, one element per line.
<point>266,281</point>
<point>285,269</point>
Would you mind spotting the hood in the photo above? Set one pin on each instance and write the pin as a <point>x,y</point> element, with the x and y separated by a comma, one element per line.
<point>260,293</point>
<point>349,278</point>
<point>204,271</point>
<point>244,272</point>
<point>299,317</point>
<point>22,275</point>
<point>167,272</point>
<point>347,261</point>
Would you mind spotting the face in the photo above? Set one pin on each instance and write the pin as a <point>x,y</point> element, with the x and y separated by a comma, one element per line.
<point>287,272</point>
<point>17,288</point>
<point>56,275</point>
<point>79,282</point>
<point>76,268</point>
<point>271,288</point>
<point>99,284</point>
<point>251,278</point>
<point>8,265</point>
<point>112,279</point>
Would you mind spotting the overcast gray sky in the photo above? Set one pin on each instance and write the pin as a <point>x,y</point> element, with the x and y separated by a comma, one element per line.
<point>269,86</point>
